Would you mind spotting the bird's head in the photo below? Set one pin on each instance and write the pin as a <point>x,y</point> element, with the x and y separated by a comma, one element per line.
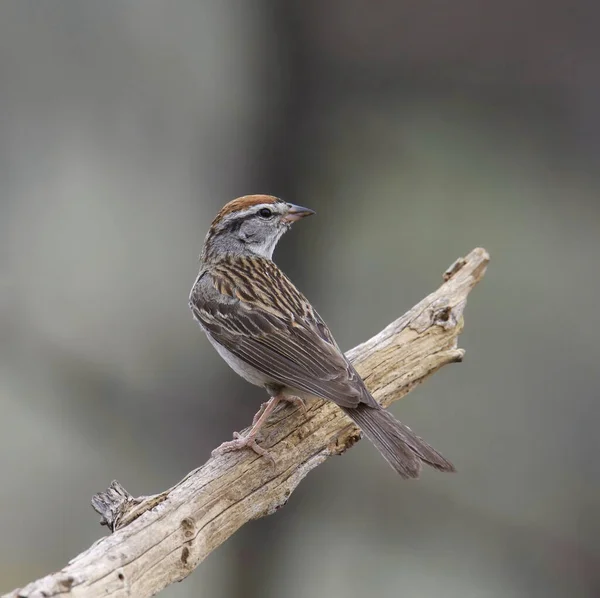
<point>250,224</point>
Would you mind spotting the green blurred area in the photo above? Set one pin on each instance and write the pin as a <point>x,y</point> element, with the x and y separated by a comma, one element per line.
<point>416,132</point>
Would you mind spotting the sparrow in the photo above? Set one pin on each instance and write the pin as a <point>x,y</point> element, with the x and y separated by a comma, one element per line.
<point>269,333</point>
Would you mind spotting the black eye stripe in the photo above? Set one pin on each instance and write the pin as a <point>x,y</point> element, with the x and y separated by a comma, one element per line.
<point>235,225</point>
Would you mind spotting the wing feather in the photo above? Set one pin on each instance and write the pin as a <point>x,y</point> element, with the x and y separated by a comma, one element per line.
<point>274,329</point>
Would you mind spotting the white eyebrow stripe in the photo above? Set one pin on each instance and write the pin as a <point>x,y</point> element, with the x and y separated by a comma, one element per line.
<point>251,211</point>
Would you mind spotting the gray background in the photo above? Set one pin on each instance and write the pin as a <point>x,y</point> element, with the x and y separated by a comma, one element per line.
<point>416,131</point>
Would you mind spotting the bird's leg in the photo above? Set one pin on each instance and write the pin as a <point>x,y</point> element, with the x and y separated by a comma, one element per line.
<point>249,440</point>
<point>259,412</point>
<point>300,403</point>
<point>258,421</point>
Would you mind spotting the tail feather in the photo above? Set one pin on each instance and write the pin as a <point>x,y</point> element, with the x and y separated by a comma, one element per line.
<point>397,443</point>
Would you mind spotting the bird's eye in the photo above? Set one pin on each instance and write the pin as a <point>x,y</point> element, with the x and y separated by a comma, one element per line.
<point>265,213</point>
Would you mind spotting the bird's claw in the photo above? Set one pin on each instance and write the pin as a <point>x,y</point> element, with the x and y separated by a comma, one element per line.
<point>250,439</point>
<point>240,442</point>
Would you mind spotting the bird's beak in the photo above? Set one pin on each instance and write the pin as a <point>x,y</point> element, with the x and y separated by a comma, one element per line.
<point>296,213</point>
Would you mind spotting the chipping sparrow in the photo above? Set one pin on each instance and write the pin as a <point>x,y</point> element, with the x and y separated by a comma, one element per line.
<point>269,333</point>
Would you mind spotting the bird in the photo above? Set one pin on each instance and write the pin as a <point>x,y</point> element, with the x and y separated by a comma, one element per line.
<point>269,333</point>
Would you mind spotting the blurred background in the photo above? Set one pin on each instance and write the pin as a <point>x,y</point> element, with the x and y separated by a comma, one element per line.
<point>417,131</point>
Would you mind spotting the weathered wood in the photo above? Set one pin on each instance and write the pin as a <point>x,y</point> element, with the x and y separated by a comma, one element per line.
<point>160,539</point>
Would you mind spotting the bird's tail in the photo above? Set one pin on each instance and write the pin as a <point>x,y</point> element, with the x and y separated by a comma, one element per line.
<point>398,444</point>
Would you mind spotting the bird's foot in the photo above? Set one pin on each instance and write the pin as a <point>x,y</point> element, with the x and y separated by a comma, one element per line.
<point>249,440</point>
<point>240,442</point>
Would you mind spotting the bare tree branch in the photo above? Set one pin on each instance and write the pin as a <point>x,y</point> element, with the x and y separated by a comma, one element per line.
<point>160,539</point>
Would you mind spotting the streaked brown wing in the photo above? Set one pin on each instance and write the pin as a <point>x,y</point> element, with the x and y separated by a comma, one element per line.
<point>273,328</point>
